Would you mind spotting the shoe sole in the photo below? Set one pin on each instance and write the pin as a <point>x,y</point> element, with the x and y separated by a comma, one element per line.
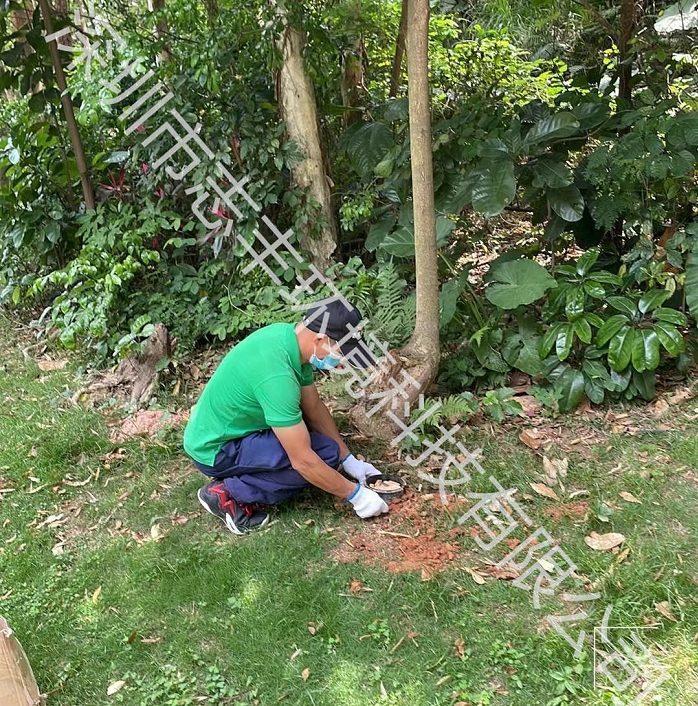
<point>228,520</point>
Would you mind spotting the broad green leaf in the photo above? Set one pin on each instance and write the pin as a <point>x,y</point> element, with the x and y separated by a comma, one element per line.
<point>369,146</point>
<point>444,228</point>
<point>448,300</point>
<point>596,370</point>
<point>624,305</point>
<point>619,380</point>
<point>651,300</point>
<point>691,286</point>
<point>568,203</point>
<point>552,128</point>
<point>583,330</point>
<point>574,306</point>
<point>645,383</point>
<point>587,261</point>
<point>552,173</point>
<point>671,316</point>
<point>594,319</point>
<point>399,243</point>
<point>563,343</point>
<point>594,290</point>
<point>378,232</point>
<point>620,349</point>
<point>594,390</point>
<point>570,389</point>
<point>610,328</point>
<point>670,338</point>
<point>518,282</point>
<point>494,187</point>
<point>548,340</point>
<point>606,278</point>
<point>645,353</point>
<point>52,231</point>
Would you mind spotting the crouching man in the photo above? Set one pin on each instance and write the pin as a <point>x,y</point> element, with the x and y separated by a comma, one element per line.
<point>261,431</point>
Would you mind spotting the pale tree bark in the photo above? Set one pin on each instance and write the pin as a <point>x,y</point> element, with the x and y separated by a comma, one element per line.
<point>68,112</point>
<point>396,73</point>
<point>420,358</point>
<point>299,111</point>
<point>161,30</point>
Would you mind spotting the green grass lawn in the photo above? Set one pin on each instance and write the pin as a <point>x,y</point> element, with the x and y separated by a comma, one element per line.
<point>186,613</point>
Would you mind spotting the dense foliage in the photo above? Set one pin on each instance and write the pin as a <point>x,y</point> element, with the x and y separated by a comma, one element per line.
<point>545,109</point>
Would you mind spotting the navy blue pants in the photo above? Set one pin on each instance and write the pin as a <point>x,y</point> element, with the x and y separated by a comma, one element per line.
<point>256,469</point>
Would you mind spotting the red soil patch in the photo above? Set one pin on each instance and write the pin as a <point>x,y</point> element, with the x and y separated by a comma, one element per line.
<point>410,538</point>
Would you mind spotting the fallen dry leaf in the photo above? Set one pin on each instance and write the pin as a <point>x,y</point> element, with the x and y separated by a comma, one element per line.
<point>355,586</point>
<point>623,555</point>
<point>604,542</point>
<point>532,438</point>
<point>47,365</point>
<point>156,533</point>
<point>460,647</point>
<point>180,520</point>
<point>96,594</point>
<point>478,578</point>
<point>543,489</point>
<point>115,686</point>
<point>629,497</point>
<point>663,608</point>
<point>305,673</point>
<point>659,408</point>
<point>151,640</point>
<point>555,467</point>
<point>311,628</point>
<point>295,654</point>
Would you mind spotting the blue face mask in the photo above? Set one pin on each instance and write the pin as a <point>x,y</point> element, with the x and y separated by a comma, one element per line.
<point>329,362</point>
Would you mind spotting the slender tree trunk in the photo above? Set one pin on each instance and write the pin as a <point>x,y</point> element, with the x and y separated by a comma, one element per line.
<point>420,358</point>
<point>628,23</point>
<point>161,30</point>
<point>399,52</point>
<point>425,339</point>
<point>68,112</point>
<point>353,80</point>
<point>212,12</point>
<point>300,115</point>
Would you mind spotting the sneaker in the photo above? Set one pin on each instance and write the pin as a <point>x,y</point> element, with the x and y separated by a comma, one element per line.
<point>239,518</point>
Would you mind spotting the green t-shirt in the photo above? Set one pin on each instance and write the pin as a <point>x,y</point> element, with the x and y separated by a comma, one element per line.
<point>257,386</point>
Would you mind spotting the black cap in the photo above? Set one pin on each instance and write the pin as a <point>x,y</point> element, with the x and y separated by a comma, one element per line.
<point>341,321</point>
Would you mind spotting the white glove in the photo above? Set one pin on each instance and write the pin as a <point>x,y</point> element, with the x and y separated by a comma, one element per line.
<point>359,470</point>
<point>367,503</point>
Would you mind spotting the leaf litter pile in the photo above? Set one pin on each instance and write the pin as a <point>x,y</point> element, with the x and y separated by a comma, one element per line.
<point>412,537</point>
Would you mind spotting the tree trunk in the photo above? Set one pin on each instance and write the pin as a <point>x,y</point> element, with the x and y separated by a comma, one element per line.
<point>212,12</point>
<point>161,30</point>
<point>68,112</point>
<point>299,112</point>
<point>399,52</point>
<point>352,80</point>
<point>425,339</point>
<point>420,358</point>
<point>628,23</point>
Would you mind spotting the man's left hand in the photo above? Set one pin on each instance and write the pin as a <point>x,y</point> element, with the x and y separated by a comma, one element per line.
<point>359,470</point>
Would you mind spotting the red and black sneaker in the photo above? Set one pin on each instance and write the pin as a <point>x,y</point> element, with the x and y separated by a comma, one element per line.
<point>239,518</point>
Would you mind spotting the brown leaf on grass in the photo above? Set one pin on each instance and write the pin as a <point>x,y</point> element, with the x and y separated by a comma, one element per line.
<point>604,542</point>
<point>663,608</point>
<point>156,533</point>
<point>356,586</point>
<point>460,647</point>
<point>555,467</point>
<point>478,578</point>
<point>305,673</point>
<point>629,497</point>
<point>180,520</point>
<point>96,594</point>
<point>659,408</point>
<point>115,686</point>
<point>532,438</point>
<point>294,655</point>
<point>311,628</point>
<point>132,637</point>
<point>544,490</point>
<point>683,393</point>
<point>151,640</point>
<point>623,555</point>
<point>47,365</point>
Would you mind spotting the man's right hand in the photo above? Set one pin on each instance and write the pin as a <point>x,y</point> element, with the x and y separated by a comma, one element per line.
<point>367,503</point>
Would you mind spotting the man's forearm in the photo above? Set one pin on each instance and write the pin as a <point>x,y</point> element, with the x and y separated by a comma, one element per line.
<point>319,419</point>
<point>322,476</point>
